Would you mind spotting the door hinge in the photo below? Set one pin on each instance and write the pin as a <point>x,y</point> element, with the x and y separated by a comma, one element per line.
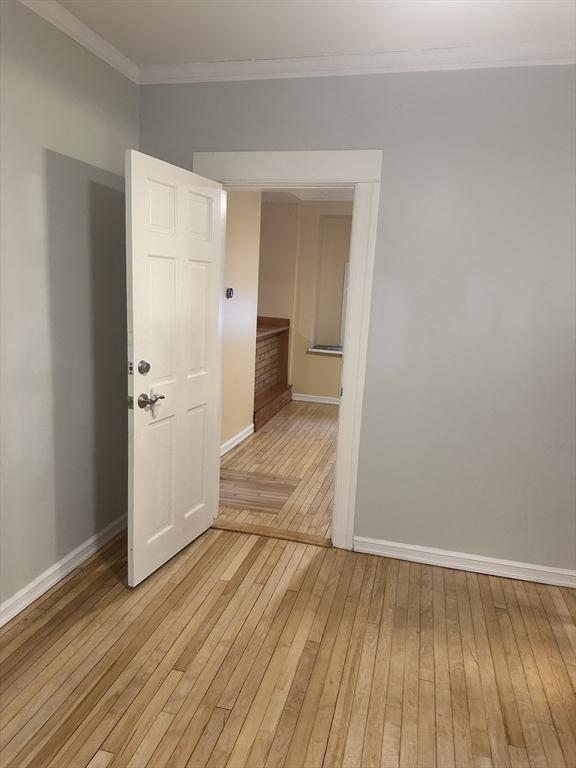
<point>341,391</point>
<point>130,402</point>
<point>130,368</point>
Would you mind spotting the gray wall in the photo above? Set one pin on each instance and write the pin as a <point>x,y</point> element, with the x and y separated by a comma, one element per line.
<point>67,118</point>
<point>468,433</point>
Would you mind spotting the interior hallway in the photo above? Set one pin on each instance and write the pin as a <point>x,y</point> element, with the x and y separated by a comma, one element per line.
<point>280,481</point>
<point>253,651</point>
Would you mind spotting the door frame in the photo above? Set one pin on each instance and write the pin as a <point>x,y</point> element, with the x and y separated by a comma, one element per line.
<point>361,170</point>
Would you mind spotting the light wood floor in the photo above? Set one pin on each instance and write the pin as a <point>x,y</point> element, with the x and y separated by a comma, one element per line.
<point>254,651</point>
<point>280,481</point>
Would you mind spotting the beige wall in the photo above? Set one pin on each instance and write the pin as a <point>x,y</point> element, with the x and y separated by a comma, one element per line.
<point>332,260</point>
<point>278,249</point>
<point>239,313</point>
<point>312,374</point>
<point>289,284</point>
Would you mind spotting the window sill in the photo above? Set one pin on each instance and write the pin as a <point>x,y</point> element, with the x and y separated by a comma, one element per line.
<point>325,350</point>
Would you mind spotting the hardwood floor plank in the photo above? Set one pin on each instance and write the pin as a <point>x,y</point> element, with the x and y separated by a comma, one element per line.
<point>101,759</point>
<point>463,753</point>
<point>481,749</point>
<point>444,722</point>
<point>390,755</point>
<point>510,714</point>
<point>361,701</point>
<point>410,695</point>
<point>376,711</point>
<point>426,691</point>
<point>495,724</point>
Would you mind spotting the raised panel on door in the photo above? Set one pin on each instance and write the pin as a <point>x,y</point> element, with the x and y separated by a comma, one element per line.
<point>161,209</point>
<point>161,319</point>
<point>196,287</point>
<point>159,467</point>
<point>193,487</point>
<point>198,216</point>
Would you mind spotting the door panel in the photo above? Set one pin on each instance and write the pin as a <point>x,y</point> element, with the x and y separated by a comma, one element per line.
<point>194,436</point>
<point>197,281</point>
<point>160,485</point>
<point>161,316</point>
<point>175,242</point>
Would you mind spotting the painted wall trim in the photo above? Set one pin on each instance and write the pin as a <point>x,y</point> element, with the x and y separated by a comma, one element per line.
<point>291,169</point>
<point>357,323</point>
<point>51,576</point>
<point>464,561</point>
<point>384,62</point>
<point>66,22</point>
<point>315,399</point>
<point>236,439</point>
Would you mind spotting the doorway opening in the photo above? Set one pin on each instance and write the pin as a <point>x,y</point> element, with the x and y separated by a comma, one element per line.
<point>286,283</point>
<point>359,170</point>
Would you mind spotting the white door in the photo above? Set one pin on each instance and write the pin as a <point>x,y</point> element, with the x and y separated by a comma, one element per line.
<point>175,236</point>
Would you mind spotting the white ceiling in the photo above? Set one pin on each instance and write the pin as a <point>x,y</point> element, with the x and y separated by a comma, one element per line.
<point>171,40</point>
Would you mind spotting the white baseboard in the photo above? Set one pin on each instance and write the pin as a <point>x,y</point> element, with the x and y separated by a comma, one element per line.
<point>236,439</point>
<point>22,599</point>
<point>463,561</point>
<point>315,399</point>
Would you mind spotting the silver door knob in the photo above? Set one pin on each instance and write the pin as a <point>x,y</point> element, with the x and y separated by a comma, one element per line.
<point>144,400</point>
<point>143,367</point>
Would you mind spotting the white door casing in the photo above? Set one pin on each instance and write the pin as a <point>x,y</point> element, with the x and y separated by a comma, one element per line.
<point>175,239</point>
<point>321,169</point>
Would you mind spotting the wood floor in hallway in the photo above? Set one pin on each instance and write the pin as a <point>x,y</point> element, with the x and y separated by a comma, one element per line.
<point>280,481</point>
<point>253,651</point>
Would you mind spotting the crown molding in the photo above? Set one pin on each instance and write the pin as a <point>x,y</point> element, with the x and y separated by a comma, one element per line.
<point>388,62</point>
<point>56,14</point>
<point>356,64</point>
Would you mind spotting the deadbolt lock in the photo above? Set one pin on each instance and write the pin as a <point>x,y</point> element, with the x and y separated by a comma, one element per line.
<point>143,366</point>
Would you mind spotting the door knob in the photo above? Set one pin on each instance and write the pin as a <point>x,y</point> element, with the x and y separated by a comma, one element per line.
<point>143,366</point>
<point>144,400</point>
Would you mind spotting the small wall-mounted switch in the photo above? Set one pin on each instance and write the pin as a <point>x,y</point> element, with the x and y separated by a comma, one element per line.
<point>229,293</point>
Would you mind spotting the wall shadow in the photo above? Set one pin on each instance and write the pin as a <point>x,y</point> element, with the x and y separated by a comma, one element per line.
<point>87,288</point>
